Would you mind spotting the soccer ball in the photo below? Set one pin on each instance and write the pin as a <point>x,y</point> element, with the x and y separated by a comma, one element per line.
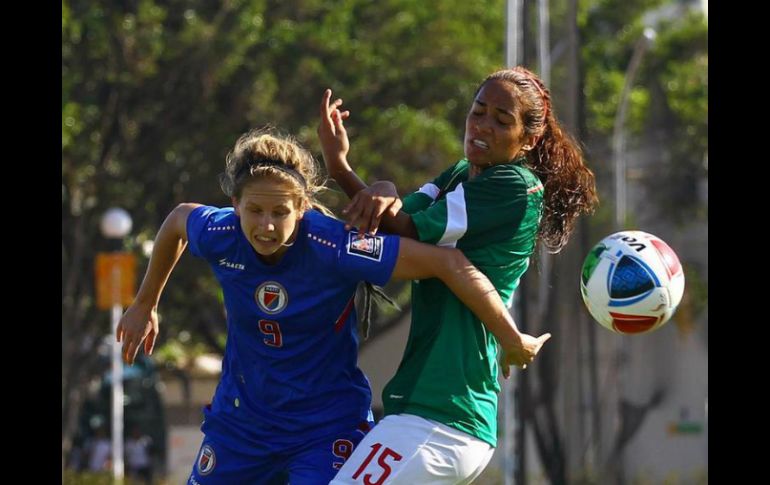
<point>632,282</point>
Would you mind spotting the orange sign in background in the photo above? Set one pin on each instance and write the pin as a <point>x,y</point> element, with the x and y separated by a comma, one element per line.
<point>115,279</point>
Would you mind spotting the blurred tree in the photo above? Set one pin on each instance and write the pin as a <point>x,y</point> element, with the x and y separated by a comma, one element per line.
<point>668,105</point>
<point>677,77</point>
<point>154,93</point>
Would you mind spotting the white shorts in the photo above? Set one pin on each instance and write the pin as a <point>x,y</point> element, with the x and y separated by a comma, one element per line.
<point>408,449</point>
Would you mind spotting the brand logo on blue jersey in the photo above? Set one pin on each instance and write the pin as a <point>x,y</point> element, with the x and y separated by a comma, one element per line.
<point>365,246</point>
<point>227,264</point>
<point>271,297</point>
<point>206,460</point>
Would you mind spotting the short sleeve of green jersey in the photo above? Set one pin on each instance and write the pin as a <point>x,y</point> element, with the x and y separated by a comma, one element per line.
<point>416,201</point>
<point>479,211</point>
<point>425,195</point>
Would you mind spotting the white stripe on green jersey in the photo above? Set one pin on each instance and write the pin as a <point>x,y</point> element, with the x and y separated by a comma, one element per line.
<point>457,218</point>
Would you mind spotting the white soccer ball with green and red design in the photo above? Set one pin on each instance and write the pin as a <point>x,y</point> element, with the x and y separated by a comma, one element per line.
<point>632,282</point>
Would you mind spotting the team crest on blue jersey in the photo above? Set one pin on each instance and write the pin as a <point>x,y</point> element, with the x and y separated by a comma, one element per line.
<point>271,297</point>
<point>365,246</point>
<point>206,460</point>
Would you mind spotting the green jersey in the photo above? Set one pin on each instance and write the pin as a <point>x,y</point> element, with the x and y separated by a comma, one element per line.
<point>449,369</point>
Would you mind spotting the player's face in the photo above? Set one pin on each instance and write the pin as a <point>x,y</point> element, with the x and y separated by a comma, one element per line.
<point>270,212</point>
<point>494,132</point>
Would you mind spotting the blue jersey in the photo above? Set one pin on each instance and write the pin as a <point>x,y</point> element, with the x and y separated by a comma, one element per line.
<point>289,371</point>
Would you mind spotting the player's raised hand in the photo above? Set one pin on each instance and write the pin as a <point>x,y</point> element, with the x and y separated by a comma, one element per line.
<point>332,134</point>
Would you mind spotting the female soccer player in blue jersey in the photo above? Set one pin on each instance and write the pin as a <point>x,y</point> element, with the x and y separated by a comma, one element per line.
<point>291,400</point>
<point>522,179</point>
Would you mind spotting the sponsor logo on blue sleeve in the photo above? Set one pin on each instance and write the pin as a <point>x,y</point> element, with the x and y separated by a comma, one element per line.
<point>365,246</point>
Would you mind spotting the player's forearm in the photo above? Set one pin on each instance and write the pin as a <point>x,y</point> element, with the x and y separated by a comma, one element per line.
<point>169,245</point>
<point>475,290</point>
<point>418,260</point>
<point>344,175</point>
<point>401,224</point>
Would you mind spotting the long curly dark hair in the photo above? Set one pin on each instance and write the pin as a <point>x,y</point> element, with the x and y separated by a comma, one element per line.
<point>556,158</point>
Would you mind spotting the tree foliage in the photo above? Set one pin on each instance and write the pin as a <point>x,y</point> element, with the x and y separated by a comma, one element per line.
<point>154,93</point>
<point>668,104</point>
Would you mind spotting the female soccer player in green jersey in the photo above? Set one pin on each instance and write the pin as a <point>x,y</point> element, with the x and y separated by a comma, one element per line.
<point>523,179</point>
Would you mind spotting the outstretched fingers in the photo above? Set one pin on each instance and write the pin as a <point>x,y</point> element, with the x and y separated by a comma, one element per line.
<point>130,348</point>
<point>149,343</point>
<point>506,369</point>
<point>119,332</point>
<point>337,118</point>
<point>354,211</point>
<point>541,340</point>
<point>331,116</point>
<point>326,112</point>
<point>324,108</point>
